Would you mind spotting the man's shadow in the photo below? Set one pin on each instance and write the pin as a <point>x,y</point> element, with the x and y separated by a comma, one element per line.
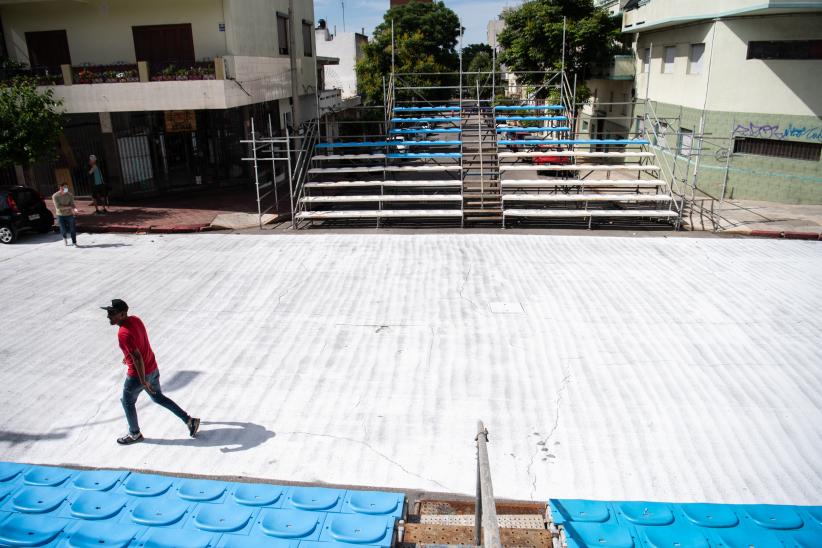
<point>233,437</point>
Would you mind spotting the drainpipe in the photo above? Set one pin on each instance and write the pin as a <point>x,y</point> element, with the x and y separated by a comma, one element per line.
<point>292,55</point>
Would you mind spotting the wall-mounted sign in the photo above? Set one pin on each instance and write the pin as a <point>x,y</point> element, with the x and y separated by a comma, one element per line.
<point>178,121</point>
<point>221,27</point>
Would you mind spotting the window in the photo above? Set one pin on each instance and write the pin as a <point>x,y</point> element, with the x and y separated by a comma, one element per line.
<point>695,60</point>
<point>585,125</point>
<point>786,49</point>
<point>48,49</point>
<point>282,34</point>
<point>777,149</point>
<point>646,60</point>
<point>164,44</point>
<point>670,55</point>
<point>686,139</point>
<point>308,31</point>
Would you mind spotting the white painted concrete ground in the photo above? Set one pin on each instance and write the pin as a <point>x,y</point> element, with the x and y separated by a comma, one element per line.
<point>618,368</point>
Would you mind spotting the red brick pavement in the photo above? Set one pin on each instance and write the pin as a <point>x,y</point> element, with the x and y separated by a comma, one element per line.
<point>181,213</point>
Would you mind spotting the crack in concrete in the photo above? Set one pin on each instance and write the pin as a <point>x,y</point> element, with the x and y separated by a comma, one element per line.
<point>543,442</point>
<point>376,451</point>
<point>462,286</point>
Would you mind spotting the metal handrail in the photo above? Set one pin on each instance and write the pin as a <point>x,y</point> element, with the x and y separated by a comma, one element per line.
<point>671,183</point>
<point>486,525</point>
<point>300,172</point>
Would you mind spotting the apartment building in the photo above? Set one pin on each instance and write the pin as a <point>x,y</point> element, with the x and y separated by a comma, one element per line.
<point>348,47</point>
<point>744,73</point>
<point>163,91</point>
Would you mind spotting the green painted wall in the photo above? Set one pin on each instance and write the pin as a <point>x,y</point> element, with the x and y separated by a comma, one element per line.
<point>750,177</point>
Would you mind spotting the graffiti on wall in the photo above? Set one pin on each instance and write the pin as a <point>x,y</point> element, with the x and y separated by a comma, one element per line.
<point>774,131</point>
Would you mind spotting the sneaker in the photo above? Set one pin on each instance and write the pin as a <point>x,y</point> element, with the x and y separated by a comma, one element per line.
<point>128,439</point>
<point>193,426</point>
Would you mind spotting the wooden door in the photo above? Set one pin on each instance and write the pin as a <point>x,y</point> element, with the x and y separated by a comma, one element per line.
<point>164,44</point>
<point>48,49</point>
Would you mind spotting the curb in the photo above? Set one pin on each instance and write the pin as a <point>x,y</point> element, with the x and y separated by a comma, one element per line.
<point>786,235</point>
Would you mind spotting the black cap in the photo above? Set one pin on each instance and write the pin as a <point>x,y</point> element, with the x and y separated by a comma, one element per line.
<point>117,305</point>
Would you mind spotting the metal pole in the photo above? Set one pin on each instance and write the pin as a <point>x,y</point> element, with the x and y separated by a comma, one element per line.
<point>290,182</point>
<point>479,137</point>
<point>273,163</point>
<point>727,168</point>
<point>478,507</point>
<point>392,47</point>
<point>490,525</point>
<point>493,75</point>
<point>256,173</point>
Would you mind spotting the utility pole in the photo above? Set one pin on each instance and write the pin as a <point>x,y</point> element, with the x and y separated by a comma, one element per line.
<point>292,56</point>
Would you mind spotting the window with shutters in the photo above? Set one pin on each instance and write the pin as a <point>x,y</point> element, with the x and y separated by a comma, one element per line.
<point>282,34</point>
<point>778,149</point>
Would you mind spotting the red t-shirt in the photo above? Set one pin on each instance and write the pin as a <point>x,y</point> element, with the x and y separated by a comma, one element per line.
<point>133,335</point>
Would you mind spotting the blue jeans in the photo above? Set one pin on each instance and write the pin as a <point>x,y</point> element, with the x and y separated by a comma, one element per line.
<point>68,225</point>
<point>132,389</point>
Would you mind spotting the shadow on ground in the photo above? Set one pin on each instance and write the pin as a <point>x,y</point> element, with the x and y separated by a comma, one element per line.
<point>231,437</point>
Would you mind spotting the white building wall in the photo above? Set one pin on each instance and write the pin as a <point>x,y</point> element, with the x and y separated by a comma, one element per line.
<point>730,81</point>
<point>347,47</point>
<point>100,33</point>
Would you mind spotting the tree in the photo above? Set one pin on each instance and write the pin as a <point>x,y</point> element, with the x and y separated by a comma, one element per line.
<point>425,37</point>
<point>532,40</point>
<point>470,51</point>
<point>30,123</point>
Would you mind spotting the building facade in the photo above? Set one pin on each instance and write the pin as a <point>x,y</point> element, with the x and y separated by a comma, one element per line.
<point>164,91</point>
<point>348,47</point>
<point>746,75</point>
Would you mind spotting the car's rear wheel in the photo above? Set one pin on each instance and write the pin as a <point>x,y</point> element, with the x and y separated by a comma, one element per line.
<point>7,235</point>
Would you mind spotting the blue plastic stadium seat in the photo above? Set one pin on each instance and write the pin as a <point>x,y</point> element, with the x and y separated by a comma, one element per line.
<point>374,503</point>
<point>529,107</point>
<point>159,511</point>
<point>646,513</point>
<point>9,471</point>
<point>597,534</point>
<point>6,490</point>
<point>255,540</point>
<point>223,518</point>
<point>583,510</point>
<point>292,524</point>
<point>177,538</point>
<point>434,119</point>
<point>46,476</point>
<point>107,534</point>
<point>417,155</point>
<point>98,480</point>
<point>201,490</point>
<point>146,485</point>
<point>358,529</point>
<point>815,512</point>
<point>250,494</point>
<point>23,530</point>
<point>745,536</point>
<point>673,536</point>
<point>775,517</point>
<point>524,142</point>
<point>315,499</point>
<point>709,515</point>
<point>807,537</point>
<point>95,505</point>
<point>38,500</point>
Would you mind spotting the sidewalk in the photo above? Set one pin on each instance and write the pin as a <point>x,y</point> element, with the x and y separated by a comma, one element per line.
<point>167,214</point>
<point>772,220</point>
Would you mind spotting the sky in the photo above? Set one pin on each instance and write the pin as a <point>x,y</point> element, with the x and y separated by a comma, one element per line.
<point>367,14</point>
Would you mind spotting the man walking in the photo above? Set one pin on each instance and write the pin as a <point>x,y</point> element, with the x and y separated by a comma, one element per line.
<point>99,190</point>
<point>142,372</point>
<point>64,206</point>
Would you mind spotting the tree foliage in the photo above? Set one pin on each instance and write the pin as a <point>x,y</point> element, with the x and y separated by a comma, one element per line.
<point>532,39</point>
<point>425,36</point>
<point>30,123</point>
<point>470,51</point>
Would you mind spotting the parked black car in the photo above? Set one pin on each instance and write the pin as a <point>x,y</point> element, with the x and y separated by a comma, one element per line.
<point>22,209</point>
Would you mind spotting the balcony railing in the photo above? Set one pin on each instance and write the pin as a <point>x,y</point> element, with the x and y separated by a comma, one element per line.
<point>117,73</point>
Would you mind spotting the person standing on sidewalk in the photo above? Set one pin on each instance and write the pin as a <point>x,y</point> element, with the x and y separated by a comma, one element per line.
<point>99,190</point>
<point>143,373</point>
<point>64,206</point>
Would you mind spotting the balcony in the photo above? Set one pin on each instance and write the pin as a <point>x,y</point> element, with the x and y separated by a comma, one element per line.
<point>225,82</point>
<point>621,68</point>
<point>641,15</point>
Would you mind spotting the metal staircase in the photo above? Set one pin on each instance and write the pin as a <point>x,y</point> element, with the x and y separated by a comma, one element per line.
<point>482,199</point>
